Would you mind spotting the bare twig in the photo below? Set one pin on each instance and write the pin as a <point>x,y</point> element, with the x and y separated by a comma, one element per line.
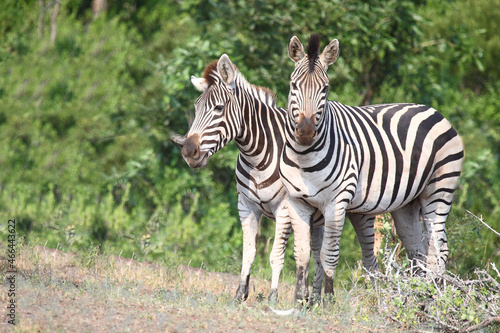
<point>486,279</point>
<point>53,24</point>
<point>494,253</point>
<point>395,319</point>
<point>495,268</point>
<point>391,260</point>
<point>481,220</point>
<point>482,324</point>
<point>440,322</point>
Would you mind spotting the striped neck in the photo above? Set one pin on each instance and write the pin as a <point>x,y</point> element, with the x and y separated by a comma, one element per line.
<point>262,123</point>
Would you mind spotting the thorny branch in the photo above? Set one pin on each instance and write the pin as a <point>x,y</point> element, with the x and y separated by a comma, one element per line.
<point>481,220</point>
<point>453,303</point>
<point>485,323</point>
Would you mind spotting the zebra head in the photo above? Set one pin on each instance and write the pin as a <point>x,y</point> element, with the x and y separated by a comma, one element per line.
<point>309,86</point>
<point>214,123</point>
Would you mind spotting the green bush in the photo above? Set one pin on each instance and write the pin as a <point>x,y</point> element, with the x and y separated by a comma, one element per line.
<point>85,122</point>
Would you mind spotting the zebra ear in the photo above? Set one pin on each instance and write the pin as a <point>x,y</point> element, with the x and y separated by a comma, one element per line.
<point>330,53</point>
<point>295,49</point>
<point>226,69</point>
<point>199,83</point>
<point>178,139</point>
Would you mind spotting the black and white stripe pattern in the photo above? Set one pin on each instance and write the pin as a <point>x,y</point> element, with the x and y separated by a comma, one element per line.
<point>360,161</point>
<point>232,109</point>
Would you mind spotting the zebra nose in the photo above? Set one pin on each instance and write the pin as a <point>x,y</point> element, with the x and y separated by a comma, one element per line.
<point>191,148</point>
<point>305,132</point>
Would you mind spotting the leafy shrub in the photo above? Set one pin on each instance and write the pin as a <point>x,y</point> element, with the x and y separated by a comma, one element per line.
<point>85,122</point>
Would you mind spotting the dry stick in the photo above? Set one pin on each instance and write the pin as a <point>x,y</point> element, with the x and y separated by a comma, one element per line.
<point>461,285</point>
<point>481,220</point>
<point>455,281</point>
<point>391,259</point>
<point>440,322</point>
<point>488,279</point>
<point>481,324</point>
<point>395,319</point>
<point>495,268</point>
<point>53,24</point>
<point>494,253</point>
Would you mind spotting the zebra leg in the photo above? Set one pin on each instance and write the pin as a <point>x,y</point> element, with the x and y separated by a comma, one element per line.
<point>300,215</point>
<point>436,200</point>
<point>365,232</point>
<point>409,230</point>
<point>277,258</point>
<point>437,255</point>
<point>334,222</point>
<point>250,225</point>
<point>435,210</point>
<point>316,242</point>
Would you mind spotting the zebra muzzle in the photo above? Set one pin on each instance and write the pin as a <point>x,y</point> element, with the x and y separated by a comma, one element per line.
<point>192,154</point>
<point>305,132</point>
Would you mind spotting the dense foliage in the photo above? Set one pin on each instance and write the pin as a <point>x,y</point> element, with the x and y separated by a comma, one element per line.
<point>89,99</point>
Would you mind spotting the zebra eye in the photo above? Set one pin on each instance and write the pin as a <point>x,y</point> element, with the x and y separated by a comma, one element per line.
<point>219,108</point>
<point>325,90</point>
<point>294,86</point>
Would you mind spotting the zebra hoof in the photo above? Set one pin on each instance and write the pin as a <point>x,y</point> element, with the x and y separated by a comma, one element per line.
<point>328,300</point>
<point>301,299</point>
<point>241,294</point>
<point>315,300</point>
<point>273,297</point>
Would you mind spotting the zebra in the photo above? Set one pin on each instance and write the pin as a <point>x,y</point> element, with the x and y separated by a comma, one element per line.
<point>405,159</point>
<point>230,108</point>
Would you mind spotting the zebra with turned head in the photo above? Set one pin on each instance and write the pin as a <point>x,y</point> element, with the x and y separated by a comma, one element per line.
<point>405,159</point>
<point>230,108</point>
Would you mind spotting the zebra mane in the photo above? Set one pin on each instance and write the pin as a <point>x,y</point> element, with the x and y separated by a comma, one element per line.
<point>209,73</point>
<point>263,94</point>
<point>313,50</point>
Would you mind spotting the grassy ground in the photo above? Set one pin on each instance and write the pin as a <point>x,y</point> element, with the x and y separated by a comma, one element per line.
<point>64,292</point>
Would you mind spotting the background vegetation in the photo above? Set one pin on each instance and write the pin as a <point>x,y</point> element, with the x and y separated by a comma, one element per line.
<point>88,99</point>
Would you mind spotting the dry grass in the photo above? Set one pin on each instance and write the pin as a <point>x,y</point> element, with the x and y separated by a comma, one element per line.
<point>64,292</point>
<point>59,291</point>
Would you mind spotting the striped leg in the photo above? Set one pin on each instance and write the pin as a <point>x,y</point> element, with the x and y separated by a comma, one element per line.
<point>250,225</point>
<point>436,204</point>
<point>407,222</point>
<point>365,232</point>
<point>300,215</point>
<point>334,222</point>
<point>435,211</point>
<point>282,234</point>
<point>437,247</point>
<point>316,241</point>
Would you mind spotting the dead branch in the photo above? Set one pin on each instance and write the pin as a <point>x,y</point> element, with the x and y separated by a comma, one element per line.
<point>53,25</point>
<point>482,324</point>
<point>439,322</point>
<point>482,291</point>
<point>481,220</point>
